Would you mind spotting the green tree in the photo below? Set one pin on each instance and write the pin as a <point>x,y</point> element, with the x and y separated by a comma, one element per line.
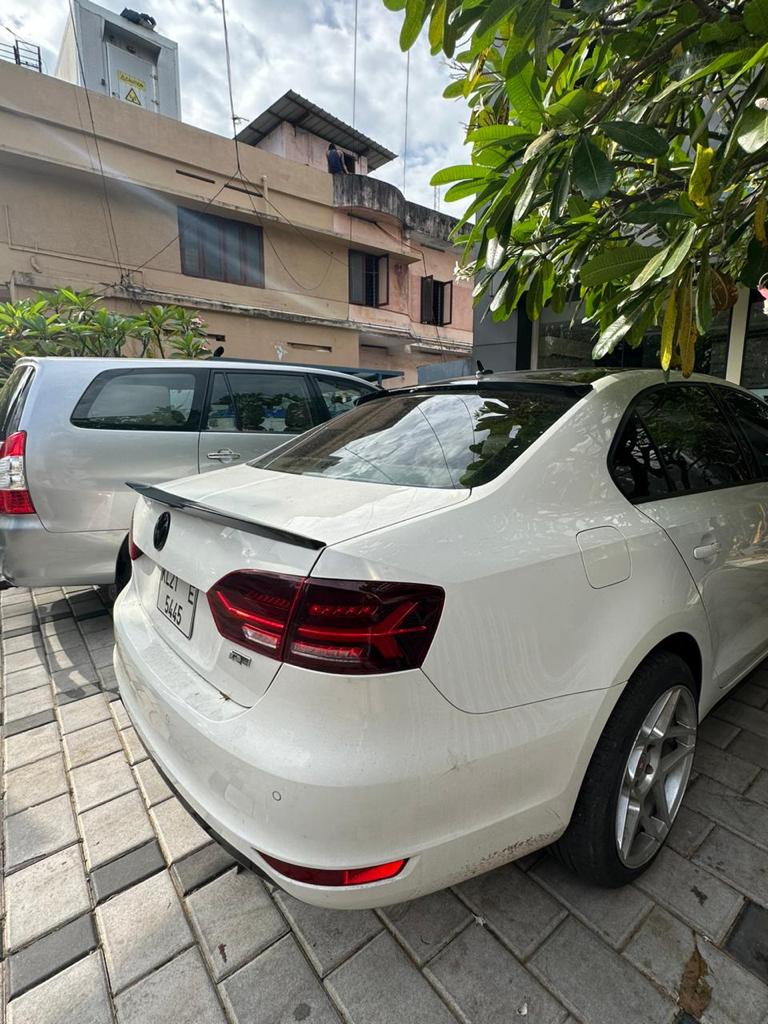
<point>619,153</point>
<point>69,323</point>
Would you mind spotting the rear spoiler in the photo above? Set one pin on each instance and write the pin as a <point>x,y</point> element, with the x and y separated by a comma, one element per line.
<point>195,508</point>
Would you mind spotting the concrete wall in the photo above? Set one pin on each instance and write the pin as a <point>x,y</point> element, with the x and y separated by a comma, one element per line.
<point>58,228</point>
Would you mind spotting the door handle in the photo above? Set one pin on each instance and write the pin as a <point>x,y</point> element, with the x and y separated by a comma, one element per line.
<point>223,454</point>
<point>705,551</point>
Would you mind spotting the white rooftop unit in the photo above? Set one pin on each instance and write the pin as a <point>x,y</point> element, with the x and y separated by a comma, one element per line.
<point>121,55</point>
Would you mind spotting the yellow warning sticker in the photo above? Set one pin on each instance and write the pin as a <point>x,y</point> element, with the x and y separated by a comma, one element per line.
<point>130,80</point>
<point>131,97</point>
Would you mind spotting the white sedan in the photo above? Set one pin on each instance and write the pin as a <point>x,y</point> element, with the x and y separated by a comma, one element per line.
<point>457,624</point>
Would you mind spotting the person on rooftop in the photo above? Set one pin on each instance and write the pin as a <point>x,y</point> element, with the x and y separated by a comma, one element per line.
<point>335,161</point>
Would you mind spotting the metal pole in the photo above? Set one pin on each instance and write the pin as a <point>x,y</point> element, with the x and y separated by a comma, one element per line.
<point>354,71</point>
<point>405,128</point>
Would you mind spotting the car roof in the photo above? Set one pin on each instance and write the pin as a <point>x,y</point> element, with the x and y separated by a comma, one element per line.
<point>97,364</point>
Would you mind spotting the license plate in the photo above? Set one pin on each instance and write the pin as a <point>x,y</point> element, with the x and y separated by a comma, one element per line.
<point>177,601</point>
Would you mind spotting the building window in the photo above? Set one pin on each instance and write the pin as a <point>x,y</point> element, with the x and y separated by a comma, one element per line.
<point>436,301</point>
<point>368,279</point>
<point>221,249</point>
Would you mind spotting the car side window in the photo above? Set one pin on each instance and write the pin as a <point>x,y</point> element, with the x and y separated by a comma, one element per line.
<point>137,399</point>
<point>752,417</point>
<point>636,467</point>
<point>339,395</point>
<point>267,403</point>
<point>697,447</point>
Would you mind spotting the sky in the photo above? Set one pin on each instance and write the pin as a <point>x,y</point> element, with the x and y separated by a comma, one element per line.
<point>305,45</point>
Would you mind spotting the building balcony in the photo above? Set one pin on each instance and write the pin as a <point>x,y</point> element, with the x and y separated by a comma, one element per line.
<point>361,194</point>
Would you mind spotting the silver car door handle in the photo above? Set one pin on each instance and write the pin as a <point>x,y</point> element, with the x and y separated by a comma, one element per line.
<point>222,454</point>
<point>705,551</point>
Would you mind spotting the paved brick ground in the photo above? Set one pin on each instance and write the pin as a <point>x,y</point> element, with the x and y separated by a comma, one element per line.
<point>117,907</point>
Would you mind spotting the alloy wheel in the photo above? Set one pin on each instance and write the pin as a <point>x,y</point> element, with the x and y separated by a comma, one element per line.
<point>655,776</point>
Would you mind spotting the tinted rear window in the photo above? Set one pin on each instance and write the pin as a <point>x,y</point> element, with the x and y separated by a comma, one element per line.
<point>12,396</point>
<point>449,439</point>
<point>137,399</point>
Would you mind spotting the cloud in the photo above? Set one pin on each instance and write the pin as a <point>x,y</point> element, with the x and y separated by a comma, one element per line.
<point>305,45</point>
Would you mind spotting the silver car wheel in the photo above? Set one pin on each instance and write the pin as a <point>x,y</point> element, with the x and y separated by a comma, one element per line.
<point>655,776</point>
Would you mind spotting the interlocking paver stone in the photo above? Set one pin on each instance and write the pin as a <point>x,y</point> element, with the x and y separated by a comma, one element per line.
<point>114,828</point>
<point>744,716</point>
<point>151,783</point>
<point>378,985</point>
<point>178,832</point>
<point>21,661</point>
<point>120,715</point>
<point>515,906</point>
<point>200,867</point>
<point>91,743</point>
<point>689,831</point>
<point>488,985</point>
<point>39,830</point>
<point>26,642</point>
<point>83,713</point>
<point>35,783</point>
<point>31,702</point>
<point>133,745</point>
<point>751,748</point>
<point>736,861</point>
<point>142,928</point>
<point>29,722</point>
<point>748,942</point>
<point>24,748</point>
<point>72,655</point>
<point>179,993</point>
<point>703,901</point>
<point>31,678</point>
<point>126,871</point>
<point>595,983</point>
<point>663,948</point>
<point>100,781</point>
<point>759,789</point>
<point>236,920</point>
<point>725,767</point>
<point>51,954</point>
<point>328,936</point>
<point>425,925</point>
<point>736,812</point>
<point>613,913</point>
<point>750,693</point>
<point>278,987</point>
<point>77,995</point>
<point>44,895</point>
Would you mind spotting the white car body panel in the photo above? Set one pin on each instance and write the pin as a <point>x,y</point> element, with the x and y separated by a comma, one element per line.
<point>552,600</point>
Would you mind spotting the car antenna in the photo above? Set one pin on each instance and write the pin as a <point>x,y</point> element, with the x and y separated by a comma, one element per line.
<point>481,370</point>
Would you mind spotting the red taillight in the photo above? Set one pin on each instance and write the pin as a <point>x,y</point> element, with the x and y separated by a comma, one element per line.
<point>336,876</point>
<point>351,627</point>
<point>15,499</point>
<point>134,551</point>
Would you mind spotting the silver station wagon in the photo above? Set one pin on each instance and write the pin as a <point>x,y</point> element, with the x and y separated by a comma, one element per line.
<point>73,431</point>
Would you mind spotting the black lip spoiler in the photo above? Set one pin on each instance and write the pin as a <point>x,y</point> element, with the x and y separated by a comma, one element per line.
<point>195,508</point>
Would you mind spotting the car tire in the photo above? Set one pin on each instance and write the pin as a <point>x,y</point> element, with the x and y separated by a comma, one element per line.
<point>637,776</point>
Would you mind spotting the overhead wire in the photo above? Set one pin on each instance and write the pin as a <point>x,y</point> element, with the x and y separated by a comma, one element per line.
<point>354,68</point>
<point>111,231</point>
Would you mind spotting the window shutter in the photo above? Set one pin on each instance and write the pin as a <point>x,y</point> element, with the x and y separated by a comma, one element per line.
<point>356,277</point>
<point>253,246</point>
<point>382,295</point>
<point>189,244</point>
<point>447,310</point>
<point>427,292</point>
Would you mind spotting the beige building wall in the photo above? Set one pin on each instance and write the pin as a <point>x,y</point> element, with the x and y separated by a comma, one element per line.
<point>65,223</point>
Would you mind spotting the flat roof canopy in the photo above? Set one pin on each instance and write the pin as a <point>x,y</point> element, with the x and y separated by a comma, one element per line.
<point>304,114</point>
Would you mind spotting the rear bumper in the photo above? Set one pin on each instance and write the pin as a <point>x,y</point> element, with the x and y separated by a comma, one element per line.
<point>31,556</point>
<point>340,772</point>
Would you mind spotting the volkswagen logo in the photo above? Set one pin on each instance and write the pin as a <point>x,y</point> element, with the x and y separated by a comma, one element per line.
<point>162,526</point>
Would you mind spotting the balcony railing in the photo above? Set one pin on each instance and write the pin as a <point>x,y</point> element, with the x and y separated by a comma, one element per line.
<point>26,55</point>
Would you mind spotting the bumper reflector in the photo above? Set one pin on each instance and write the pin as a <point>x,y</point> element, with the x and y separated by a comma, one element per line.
<point>336,876</point>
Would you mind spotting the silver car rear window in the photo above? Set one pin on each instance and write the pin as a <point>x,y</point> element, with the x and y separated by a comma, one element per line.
<point>453,439</point>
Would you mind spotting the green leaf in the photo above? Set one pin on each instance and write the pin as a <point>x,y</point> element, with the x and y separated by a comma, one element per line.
<point>560,190</point>
<point>756,17</point>
<point>752,132</point>
<point>494,254</point>
<point>496,11</point>
<point>615,263</point>
<point>459,172</point>
<point>704,298</point>
<point>415,15</point>
<point>655,213</point>
<point>652,267</point>
<point>593,173</point>
<point>721,63</point>
<point>678,253</point>
<point>395,5</point>
<point>640,139</point>
<point>525,97</point>
<point>455,89</point>
<point>611,336</point>
<point>542,142</point>
<point>498,133</point>
<point>572,106</point>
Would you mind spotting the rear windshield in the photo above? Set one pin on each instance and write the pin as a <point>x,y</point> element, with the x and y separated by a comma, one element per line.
<point>456,439</point>
<point>12,395</point>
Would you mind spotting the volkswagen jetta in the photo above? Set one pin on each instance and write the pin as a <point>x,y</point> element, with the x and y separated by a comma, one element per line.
<point>454,625</point>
